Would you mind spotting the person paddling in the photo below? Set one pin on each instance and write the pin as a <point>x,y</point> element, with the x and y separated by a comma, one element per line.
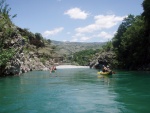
<point>105,69</point>
<point>52,69</point>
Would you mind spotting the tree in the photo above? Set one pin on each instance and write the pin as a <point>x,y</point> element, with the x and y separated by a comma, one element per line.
<point>4,11</point>
<point>133,45</point>
<point>108,46</point>
<point>132,40</point>
<point>82,57</point>
<point>116,41</point>
<point>38,36</point>
<point>146,13</point>
<point>49,41</point>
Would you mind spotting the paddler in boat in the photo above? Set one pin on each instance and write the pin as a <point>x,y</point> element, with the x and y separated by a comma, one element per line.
<point>106,69</point>
<point>52,69</point>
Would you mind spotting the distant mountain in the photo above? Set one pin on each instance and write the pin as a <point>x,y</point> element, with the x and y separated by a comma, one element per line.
<point>67,48</point>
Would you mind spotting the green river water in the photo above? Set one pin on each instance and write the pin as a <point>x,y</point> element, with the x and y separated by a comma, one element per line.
<point>75,91</point>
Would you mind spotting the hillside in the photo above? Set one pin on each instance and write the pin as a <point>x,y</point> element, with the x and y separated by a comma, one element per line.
<point>22,51</point>
<point>68,48</point>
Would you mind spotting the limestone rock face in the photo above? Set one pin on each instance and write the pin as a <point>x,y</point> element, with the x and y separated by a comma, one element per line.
<point>25,63</point>
<point>22,62</point>
<point>105,58</point>
<point>24,50</point>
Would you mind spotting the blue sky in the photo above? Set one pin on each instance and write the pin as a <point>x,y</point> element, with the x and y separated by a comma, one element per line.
<point>73,20</point>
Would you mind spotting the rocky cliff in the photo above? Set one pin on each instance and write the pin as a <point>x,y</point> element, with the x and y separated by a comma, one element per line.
<point>103,58</point>
<point>27,55</point>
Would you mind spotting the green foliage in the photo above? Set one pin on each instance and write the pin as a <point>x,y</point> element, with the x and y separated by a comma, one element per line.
<point>117,39</point>
<point>38,36</point>
<point>127,22</point>
<point>43,60</point>
<point>146,13</point>
<point>132,51</point>
<point>82,57</point>
<point>4,11</point>
<point>53,47</point>
<point>6,33</point>
<point>49,41</point>
<point>108,46</point>
<point>26,39</point>
<point>5,55</point>
<point>5,23</point>
<point>131,43</point>
<point>27,35</point>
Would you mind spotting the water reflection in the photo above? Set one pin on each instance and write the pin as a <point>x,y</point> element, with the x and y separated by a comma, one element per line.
<point>133,91</point>
<point>105,78</point>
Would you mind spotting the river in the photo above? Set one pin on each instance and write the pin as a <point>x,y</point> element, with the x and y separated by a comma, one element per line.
<point>75,90</point>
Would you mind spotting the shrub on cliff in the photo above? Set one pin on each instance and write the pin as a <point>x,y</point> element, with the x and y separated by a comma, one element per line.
<point>6,32</point>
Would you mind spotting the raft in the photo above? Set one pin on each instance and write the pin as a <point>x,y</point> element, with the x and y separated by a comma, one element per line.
<point>104,73</point>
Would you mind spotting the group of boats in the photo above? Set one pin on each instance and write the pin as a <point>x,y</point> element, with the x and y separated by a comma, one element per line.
<point>106,72</point>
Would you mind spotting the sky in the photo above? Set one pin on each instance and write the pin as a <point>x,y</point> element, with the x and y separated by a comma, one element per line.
<point>73,20</point>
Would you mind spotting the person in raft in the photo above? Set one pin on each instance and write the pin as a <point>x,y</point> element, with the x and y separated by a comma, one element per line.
<point>52,69</point>
<point>106,69</point>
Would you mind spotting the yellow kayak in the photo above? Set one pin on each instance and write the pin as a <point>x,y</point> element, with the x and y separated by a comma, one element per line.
<point>104,73</point>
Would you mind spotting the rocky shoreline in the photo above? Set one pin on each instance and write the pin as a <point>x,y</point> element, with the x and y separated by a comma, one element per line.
<point>23,63</point>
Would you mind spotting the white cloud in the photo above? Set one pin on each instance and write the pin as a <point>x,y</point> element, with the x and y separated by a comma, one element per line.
<point>80,38</point>
<point>87,29</point>
<point>84,38</point>
<point>101,22</point>
<point>107,21</point>
<point>76,13</point>
<point>95,30</point>
<point>74,40</point>
<point>52,32</point>
<point>79,35</point>
<point>105,35</point>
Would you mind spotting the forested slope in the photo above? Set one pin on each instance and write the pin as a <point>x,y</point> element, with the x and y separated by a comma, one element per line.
<point>131,43</point>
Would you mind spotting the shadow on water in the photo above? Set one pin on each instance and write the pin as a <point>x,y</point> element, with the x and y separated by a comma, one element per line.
<point>133,91</point>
